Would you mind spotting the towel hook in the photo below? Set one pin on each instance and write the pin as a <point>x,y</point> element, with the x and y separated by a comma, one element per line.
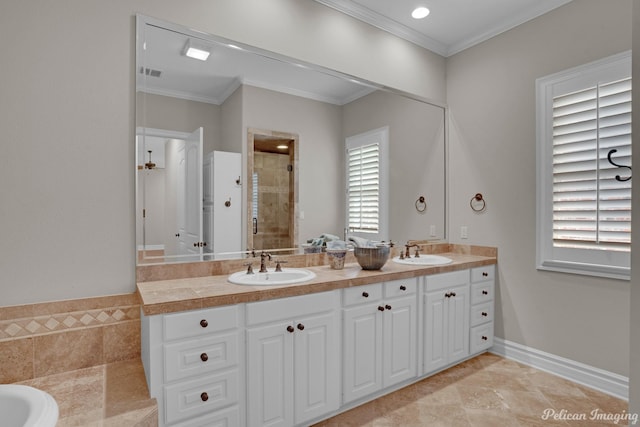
<point>480,203</point>
<point>421,204</point>
<point>613,150</point>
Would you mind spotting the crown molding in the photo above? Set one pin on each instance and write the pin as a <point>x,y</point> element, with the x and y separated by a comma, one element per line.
<point>389,25</point>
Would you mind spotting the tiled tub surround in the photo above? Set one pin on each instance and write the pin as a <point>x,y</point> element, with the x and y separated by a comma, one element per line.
<point>85,353</point>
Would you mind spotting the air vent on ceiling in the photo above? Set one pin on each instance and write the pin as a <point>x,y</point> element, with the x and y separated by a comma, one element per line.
<point>150,72</point>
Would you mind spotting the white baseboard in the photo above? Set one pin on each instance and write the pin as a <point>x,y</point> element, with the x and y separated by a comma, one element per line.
<point>598,379</point>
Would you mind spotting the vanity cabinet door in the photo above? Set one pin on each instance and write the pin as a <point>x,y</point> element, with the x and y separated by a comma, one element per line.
<point>399,345</point>
<point>317,364</point>
<point>270,375</point>
<point>293,361</point>
<point>446,320</point>
<point>362,370</point>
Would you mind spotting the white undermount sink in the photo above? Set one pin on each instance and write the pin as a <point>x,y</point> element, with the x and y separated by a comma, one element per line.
<point>424,260</point>
<point>288,276</point>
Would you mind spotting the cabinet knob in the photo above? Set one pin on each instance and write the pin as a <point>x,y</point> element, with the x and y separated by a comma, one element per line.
<point>300,326</point>
<point>204,357</point>
<point>447,295</point>
<point>485,274</point>
<point>204,396</point>
<point>380,308</point>
<point>365,294</point>
<point>484,338</point>
<point>485,293</point>
<point>204,323</point>
<point>388,307</point>
<point>403,288</point>
<point>290,329</point>
<point>484,313</point>
<point>453,294</point>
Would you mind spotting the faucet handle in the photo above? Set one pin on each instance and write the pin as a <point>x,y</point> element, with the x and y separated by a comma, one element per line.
<point>417,255</point>
<point>249,268</point>
<point>278,267</point>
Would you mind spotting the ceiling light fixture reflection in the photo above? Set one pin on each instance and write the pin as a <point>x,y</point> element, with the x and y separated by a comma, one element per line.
<point>420,12</point>
<point>282,147</point>
<point>196,51</point>
<point>149,164</point>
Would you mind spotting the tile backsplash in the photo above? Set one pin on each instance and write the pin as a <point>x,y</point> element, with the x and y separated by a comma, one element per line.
<point>48,338</point>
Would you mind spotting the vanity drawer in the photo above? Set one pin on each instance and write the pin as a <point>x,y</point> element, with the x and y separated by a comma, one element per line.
<point>484,273</point>
<point>481,338</point>
<point>361,294</point>
<point>201,356</point>
<point>200,322</point>
<point>481,313</point>
<point>224,418</point>
<point>440,281</point>
<point>400,288</point>
<point>289,308</point>
<point>481,292</point>
<point>196,397</point>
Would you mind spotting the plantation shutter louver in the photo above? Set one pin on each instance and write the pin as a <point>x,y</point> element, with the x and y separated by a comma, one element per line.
<point>591,209</point>
<point>363,189</point>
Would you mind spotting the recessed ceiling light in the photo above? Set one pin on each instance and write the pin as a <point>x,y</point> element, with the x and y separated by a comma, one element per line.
<point>196,51</point>
<point>420,12</point>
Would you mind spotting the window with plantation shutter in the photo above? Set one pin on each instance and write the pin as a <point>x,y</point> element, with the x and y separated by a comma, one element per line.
<point>584,195</point>
<point>366,165</point>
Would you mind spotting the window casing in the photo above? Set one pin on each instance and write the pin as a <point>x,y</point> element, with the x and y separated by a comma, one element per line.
<point>583,211</point>
<point>367,183</point>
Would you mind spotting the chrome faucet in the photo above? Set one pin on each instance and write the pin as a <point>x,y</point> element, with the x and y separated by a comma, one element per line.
<point>263,263</point>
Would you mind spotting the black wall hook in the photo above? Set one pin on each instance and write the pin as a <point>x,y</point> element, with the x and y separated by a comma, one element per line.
<point>613,150</point>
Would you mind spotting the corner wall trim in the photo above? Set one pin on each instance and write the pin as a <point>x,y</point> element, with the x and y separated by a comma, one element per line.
<point>607,382</point>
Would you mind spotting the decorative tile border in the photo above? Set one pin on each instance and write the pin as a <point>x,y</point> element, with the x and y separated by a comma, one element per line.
<point>33,320</point>
<point>46,324</point>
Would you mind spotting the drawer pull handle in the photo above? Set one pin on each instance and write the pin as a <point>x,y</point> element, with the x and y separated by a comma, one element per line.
<point>485,274</point>
<point>388,307</point>
<point>300,326</point>
<point>484,313</point>
<point>365,294</point>
<point>484,338</point>
<point>204,396</point>
<point>204,357</point>
<point>447,295</point>
<point>204,323</point>
<point>380,308</point>
<point>403,288</point>
<point>485,293</point>
<point>453,294</point>
<point>290,329</point>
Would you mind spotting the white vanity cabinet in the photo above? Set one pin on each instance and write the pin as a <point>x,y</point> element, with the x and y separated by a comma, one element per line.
<point>293,363</point>
<point>379,336</point>
<point>445,319</point>
<point>482,308</point>
<point>193,362</point>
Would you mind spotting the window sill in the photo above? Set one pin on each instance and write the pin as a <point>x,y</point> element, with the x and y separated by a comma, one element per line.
<point>608,271</point>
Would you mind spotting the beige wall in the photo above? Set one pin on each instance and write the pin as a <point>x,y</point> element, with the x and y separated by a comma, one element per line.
<point>68,229</point>
<point>491,94</point>
<point>180,115</point>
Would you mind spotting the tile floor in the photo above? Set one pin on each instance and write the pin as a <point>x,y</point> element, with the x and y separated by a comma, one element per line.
<point>491,391</point>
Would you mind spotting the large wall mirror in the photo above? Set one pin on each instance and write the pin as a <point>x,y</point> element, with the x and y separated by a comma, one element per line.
<point>246,150</point>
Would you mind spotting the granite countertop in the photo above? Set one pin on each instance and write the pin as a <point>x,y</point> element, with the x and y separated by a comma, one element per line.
<point>168,296</point>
